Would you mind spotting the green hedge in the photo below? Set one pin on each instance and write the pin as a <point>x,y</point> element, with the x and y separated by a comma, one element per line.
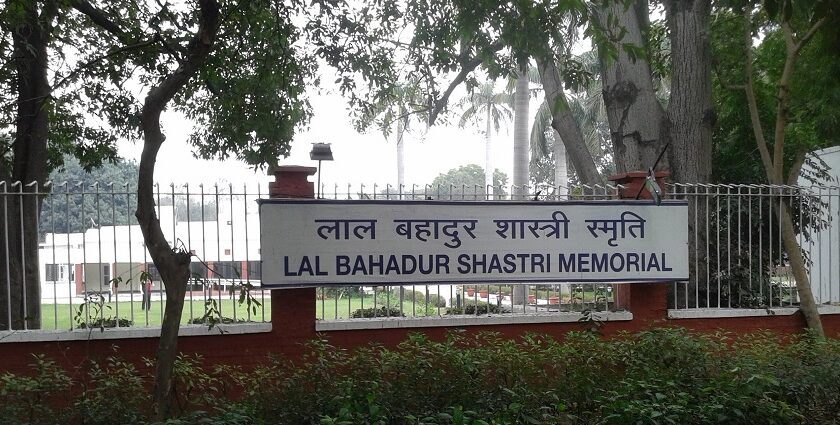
<point>662,376</point>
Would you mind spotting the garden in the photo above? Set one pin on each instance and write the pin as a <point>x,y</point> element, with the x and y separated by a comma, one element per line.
<point>660,376</point>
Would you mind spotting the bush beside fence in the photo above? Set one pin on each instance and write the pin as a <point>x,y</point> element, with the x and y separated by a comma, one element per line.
<point>662,376</point>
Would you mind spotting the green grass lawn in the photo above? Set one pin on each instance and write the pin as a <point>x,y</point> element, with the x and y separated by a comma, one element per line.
<point>62,316</point>
<point>330,309</point>
<point>59,316</point>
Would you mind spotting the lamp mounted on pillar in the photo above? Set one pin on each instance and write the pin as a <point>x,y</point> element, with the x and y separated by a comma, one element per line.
<point>320,152</point>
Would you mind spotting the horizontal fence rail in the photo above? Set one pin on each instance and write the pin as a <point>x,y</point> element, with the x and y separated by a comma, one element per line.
<point>95,272</point>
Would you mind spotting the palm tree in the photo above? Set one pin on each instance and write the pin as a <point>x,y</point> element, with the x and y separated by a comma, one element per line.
<point>520,102</point>
<point>494,107</point>
<point>404,105</point>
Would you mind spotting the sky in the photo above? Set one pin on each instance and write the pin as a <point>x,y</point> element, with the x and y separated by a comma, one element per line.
<point>359,158</point>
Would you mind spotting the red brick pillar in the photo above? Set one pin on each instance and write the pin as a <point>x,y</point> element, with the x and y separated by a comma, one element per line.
<point>293,310</point>
<point>647,301</point>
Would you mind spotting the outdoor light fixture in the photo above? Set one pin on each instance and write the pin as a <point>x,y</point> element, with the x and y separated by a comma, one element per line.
<point>320,152</point>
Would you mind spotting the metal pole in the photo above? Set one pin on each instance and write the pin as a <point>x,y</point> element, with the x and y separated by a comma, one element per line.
<point>319,179</point>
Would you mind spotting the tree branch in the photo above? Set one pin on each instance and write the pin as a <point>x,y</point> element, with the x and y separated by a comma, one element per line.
<point>468,66</point>
<point>749,90</point>
<point>809,34</point>
<point>93,61</point>
<point>100,18</point>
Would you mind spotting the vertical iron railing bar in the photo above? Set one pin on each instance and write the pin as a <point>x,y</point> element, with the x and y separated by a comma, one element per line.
<point>232,287</point>
<point>114,274</point>
<point>191,279</point>
<point>55,265</point>
<point>130,255</point>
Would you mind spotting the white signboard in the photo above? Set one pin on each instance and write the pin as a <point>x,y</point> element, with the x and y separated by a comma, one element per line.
<point>319,242</point>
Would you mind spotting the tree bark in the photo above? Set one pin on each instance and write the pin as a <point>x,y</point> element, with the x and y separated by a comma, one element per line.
<point>172,264</point>
<point>565,125</point>
<point>690,106</point>
<point>797,265</point>
<point>521,133</point>
<point>638,123</point>
<point>561,173</point>
<point>20,293</point>
<point>401,150</point>
<point>488,155</point>
<point>690,121</point>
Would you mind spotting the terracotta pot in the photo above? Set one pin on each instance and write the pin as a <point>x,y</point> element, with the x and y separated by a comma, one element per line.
<point>532,299</point>
<point>482,294</point>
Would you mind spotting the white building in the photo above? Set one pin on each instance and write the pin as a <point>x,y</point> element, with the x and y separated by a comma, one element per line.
<point>224,250</point>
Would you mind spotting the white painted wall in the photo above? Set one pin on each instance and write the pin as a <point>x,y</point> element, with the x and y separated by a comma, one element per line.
<point>825,246</point>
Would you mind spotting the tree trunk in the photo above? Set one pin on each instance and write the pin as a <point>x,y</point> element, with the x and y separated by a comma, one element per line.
<point>172,264</point>
<point>488,155</point>
<point>691,117</point>
<point>690,106</point>
<point>797,265</point>
<point>636,118</point>
<point>561,173</point>
<point>401,151</point>
<point>565,125</point>
<point>20,293</point>
<point>521,136</point>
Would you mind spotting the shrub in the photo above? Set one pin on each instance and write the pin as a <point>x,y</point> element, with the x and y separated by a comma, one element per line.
<point>479,309</point>
<point>660,376</point>
<point>377,312</point>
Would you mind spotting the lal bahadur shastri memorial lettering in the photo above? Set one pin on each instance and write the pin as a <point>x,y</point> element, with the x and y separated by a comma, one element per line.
<point>317,242</point>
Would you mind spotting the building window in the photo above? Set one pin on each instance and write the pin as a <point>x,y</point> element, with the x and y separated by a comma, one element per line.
<point>227,252</point>
<point>198,270</point>
<point>106,273</point>
<point>52,272</point>
<point>226,270</point>
<point>255,270</point>
<point>59,273</point>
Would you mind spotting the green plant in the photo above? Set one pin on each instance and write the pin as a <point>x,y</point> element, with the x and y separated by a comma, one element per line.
<point>113,393</point>
<point>30,399</point>
<point>377,312</point>
<point>481,308</point>
<point>90,313</point>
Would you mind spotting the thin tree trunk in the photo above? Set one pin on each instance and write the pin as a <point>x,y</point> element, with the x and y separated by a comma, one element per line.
<point>561,173</point>
<point>172,264</point>
<point>565,125</point>
<point>20,292</point>
<point>773,166</point>
<point>401,151</point>
<point>797,265</point>
<point>488,156</point>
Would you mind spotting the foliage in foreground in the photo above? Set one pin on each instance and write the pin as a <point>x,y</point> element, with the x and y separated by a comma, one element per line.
<point>660,376</point>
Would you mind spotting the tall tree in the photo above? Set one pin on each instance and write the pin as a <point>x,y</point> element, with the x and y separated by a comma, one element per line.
<point>467,182</point>
<point>41,119</point>
<point>486,105</point>
<point>238,71</point>
<point>797,24</point>
<point>104,195</point>
<point>403,105</point>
